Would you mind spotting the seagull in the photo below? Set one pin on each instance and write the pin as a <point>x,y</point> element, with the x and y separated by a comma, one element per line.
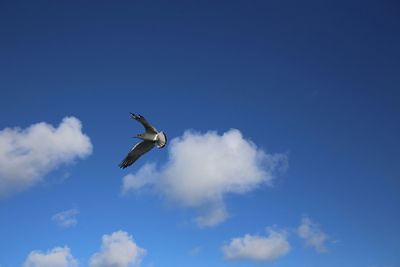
<point>150,139</point>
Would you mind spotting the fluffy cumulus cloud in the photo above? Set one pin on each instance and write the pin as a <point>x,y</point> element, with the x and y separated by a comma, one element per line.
<point>66,218</point>
<point>57,257</point>
<point>202,168</point>
<point>118,250</point>
<point>311,233</point>
<point>27,155</point>
<point>258,248</point>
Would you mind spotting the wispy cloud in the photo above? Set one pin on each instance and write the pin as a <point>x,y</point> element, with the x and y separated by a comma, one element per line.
<point>204,167</point>
<point>57,257</point>
<point>66,218</point>
<point>118,250</point>
<point>27,155</point>
<point>195,251</point>
<point>258,248</point>
<point>311,233</point>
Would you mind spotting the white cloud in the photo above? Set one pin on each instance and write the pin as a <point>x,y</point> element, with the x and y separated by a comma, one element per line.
<point>312,234</point>
<point>203,168</point>
<point>57,257</point>
<point>258,248</point>
<point>66,218</point>
<point>144,176</point>
<point>26,155</point>
<point>118,250</point>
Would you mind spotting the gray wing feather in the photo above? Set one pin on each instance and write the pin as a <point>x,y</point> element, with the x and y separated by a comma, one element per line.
<point>135,153</point>
<point>147,126</point>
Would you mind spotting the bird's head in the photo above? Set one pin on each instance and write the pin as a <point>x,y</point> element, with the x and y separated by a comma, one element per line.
<point>161,140</point>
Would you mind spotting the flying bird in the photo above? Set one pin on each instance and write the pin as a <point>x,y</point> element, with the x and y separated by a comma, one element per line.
<point>150,139</point>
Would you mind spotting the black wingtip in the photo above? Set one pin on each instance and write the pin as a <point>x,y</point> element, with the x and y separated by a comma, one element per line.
<point>123,164</point>
<point>134,116</point>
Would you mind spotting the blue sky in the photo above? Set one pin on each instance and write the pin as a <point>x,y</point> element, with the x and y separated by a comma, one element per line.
<point>314,84</point>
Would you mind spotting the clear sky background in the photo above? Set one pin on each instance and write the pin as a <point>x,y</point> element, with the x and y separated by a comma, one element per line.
<point>312,84</point>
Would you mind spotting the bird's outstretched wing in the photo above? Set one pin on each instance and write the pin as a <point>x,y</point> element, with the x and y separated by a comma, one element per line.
<point>136,151</point>
<point>147,126</point>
